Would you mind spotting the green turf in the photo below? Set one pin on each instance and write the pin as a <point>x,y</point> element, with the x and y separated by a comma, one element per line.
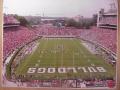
<point>69,52</point>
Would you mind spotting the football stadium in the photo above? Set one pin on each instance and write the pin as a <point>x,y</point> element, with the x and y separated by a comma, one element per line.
<point>59,51</point>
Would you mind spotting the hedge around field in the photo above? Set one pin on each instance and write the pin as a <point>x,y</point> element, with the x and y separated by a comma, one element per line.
<point>8,66</point>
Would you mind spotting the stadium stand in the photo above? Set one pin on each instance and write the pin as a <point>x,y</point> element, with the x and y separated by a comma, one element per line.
<point>107,19</point>
<point>10,21</point>
<point>76,83</point>
<point>15,37</point>
<point>104,37</point>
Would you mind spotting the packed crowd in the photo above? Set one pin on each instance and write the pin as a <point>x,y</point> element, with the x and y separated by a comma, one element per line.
<point>52,30</point>
<point>95,49</point>
<point>15,37</point>
<point>9,19</point>
<point>104,37</point>
<point>28,49</point>
<point>68,83</point>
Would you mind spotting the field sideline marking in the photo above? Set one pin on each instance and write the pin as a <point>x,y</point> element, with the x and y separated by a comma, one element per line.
<point>74,53</point>
<point>62,55</point>
<point>55,53</point>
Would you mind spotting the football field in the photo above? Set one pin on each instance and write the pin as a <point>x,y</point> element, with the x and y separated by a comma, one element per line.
<point>63,58</point>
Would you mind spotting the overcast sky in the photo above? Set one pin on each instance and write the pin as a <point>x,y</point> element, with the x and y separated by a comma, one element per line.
<point>67,8</point>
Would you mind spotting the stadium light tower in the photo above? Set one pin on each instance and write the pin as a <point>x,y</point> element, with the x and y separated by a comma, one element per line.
<point>43,12</point>
<point>113,6</point>
<point>5,10</point>
<point>38,15</point>
<point>115,3</point>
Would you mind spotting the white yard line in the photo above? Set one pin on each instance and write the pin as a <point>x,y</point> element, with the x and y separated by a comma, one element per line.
<point>43,51</point>
<point>55,55</point>
<point>73,60</point>
<point>62,58</point>
<point>74,54</point>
